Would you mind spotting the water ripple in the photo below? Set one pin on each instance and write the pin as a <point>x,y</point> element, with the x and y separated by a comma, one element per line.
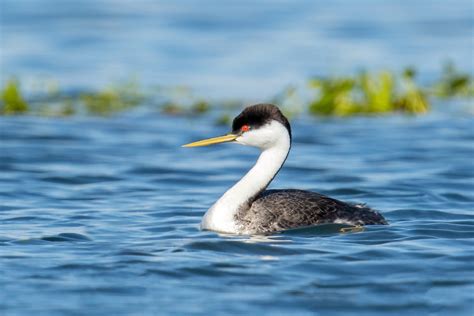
<point>121,229</point>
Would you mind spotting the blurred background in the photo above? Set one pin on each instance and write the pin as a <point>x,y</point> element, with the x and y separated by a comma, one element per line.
<point>240,49</point>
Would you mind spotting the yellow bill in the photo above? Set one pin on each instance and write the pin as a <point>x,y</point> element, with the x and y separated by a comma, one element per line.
<point>211,141</point>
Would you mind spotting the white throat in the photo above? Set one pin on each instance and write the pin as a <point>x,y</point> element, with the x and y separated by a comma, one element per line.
<point>274,141</point>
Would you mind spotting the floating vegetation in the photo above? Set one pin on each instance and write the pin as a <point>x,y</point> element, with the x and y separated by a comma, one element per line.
<point>172,108</point>
<point>366,93</point>
<point>181,101</point>
<point>412,99</point>
<point>224,119</point>
<point>196,108</point>
<point>12,102</point>
<point>111,100</point>
<point>114,99</point>
<point>200,107</point>
<point>454,83</point>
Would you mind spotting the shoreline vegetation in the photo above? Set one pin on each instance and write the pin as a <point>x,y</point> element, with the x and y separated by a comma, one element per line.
<point>365,93</point>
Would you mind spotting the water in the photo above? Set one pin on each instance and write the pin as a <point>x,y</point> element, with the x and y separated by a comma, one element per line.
<point>245,49</point>
<point>101,217</point>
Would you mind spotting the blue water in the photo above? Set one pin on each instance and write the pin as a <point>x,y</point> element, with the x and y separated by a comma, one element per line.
<point>101,217</point>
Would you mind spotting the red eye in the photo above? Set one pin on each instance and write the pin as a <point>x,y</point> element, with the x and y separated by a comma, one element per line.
<point>245,128</point>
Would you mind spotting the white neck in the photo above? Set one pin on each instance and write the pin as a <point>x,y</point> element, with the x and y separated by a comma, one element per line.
<point>220,217</point>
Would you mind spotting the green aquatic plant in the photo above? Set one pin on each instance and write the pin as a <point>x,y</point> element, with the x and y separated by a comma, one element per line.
<point>102,102</point>
<point>172,108</point>
<point>334,96</point>
<point>181,101</point>
<point>367,93</point>
<point>195,108</point>
<point>200,107</point>
<point>224,120</point>
<point>114,99</point>
<point>412,99</point>
<point>378,92</point>
<point>12,101</point>
<point>67,108</point>
<point>454,83</point>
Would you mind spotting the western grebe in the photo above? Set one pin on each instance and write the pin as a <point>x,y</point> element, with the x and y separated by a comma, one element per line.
<point>247,208</point>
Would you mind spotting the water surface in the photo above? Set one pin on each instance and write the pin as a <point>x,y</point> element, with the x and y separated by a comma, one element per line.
<point>102,216</point>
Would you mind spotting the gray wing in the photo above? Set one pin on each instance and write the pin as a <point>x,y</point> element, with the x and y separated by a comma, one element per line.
<point>275,210</point>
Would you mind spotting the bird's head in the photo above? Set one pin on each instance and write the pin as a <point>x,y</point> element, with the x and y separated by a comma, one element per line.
<point>259,125</point>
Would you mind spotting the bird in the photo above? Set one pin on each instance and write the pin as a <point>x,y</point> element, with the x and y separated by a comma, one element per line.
<point>248,208</point>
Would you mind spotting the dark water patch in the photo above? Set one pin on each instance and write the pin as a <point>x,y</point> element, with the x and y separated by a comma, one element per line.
<point>457,173</point>
<point>132,264</point>
<point>10,208</point>
<point>10,167</point>
<point>114,290</point>
<point>81,217</point>
<point>28,219</point>
<point>165,273</point>
<point>227,265</point>
<point>44,276</point>
<point>9,136</point>
<point>5,240</point>
<point>72,180</point>
<point>130,252</point>
<point>458,197</point>
<point>66,237</point>
<point>209,271</point>
<point>159,229</point>
<point>81,267</point>
<point>28,241</point>
<point>305,170</point>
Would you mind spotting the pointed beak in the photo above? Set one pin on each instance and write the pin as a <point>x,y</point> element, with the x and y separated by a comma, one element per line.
<point>211,141</point>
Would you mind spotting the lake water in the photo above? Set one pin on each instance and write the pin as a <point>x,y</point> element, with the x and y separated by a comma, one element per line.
<point>100,216</point>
